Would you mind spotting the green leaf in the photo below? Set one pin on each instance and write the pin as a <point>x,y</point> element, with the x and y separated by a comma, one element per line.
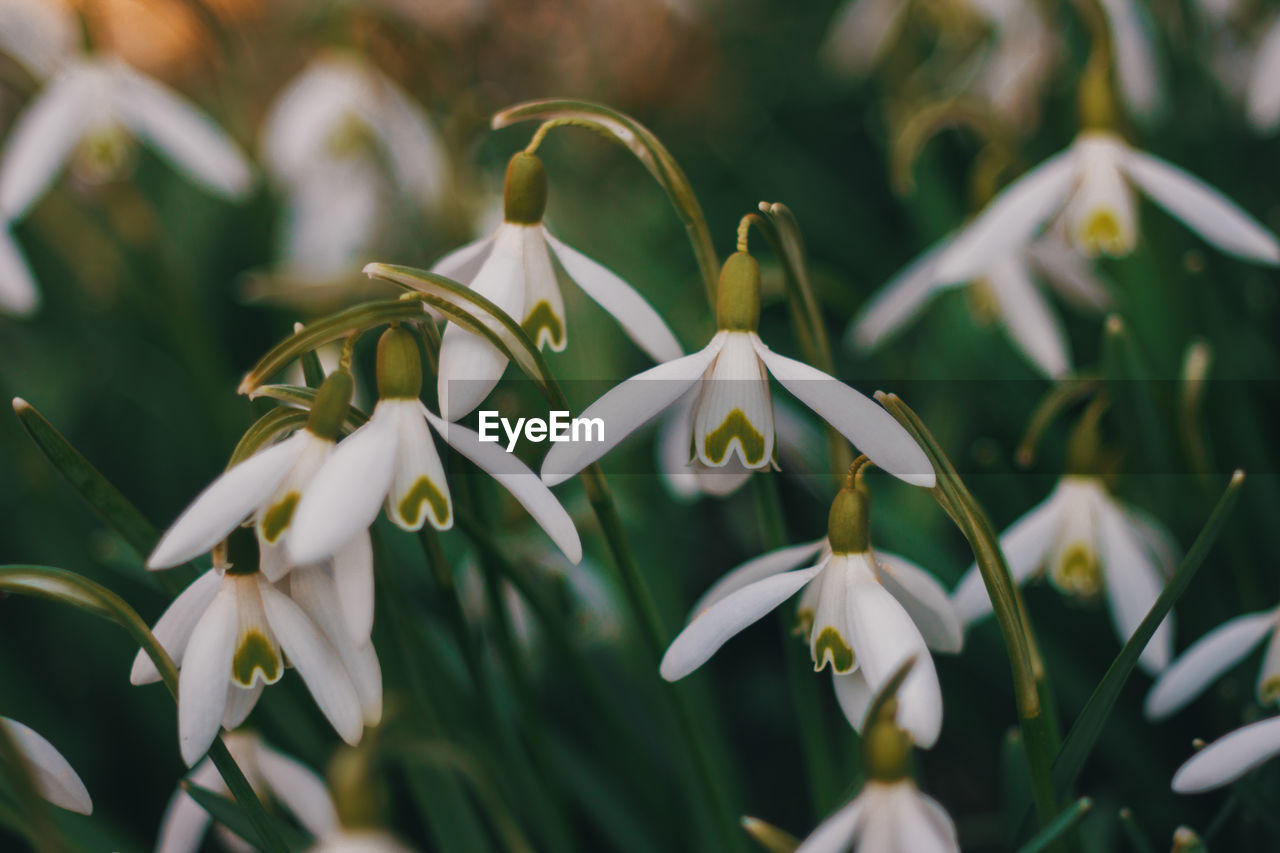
<point>651,153</point>
<point>228,813</point>
<point>1058,827</point>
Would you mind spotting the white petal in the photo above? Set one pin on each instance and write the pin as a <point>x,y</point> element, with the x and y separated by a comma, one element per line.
<point>345,495</point>
<point>925,601</point>
<point>853,695</point>
<point>353,576</point>
<point>870,428</point>
<point>18,294</point>
<point>240,704</point>
<point>1029,318</point>
<point>675,448</point>
<point>1011,219</point>
<point>463,263</point>
<point>1071,274</point>
<point>1134,53</point>
<point>174,628</point>
<point>702,637</point>
<point>636,316</point>
<point>1263,95</point>
<point>1230,757</point>
<point>44,135</point>
<point>1157,538</point>
<point>1206,659</point>
<point>923,825</point>
<point>225,503</point>
<point>836,833</point>
<point>734,397</point>
<point>300,789</point>
<point>308,111</point>
<point>859,35</point>
<point>626,408</point>
<point>1204,209</point>
<point>414,149</point>
<point>53,775</point>
<point>182,134</point>
<point>316,661</point>
<point>781,560</point>
<point>1133,582</point>
<point>543,319</point>
<point>37,33</point>
<point>205,674</point>
<point>185,821</point>
<point>899,301</point>
<point>516,477</point>
<point>331,219</point>
<point>418,492</point>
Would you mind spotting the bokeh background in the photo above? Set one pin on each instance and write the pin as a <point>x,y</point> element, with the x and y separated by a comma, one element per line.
<point>154,306</point>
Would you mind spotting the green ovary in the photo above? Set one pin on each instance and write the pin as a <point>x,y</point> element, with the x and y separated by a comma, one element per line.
<point>831,645</point>
<point>424,492</point>
<point>1102,232</point>
<point>276,519</point>
<point>543,318</point>
<point>255,653</point>
<point>1077,571</point>
<point>736,426</point>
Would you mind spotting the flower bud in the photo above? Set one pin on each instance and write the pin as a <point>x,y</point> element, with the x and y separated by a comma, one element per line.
<point>524,195</point>
<point>738,294</point>
<point>329,409</point>
<point>886,748</point>
<point>848,524</point>
<point>399,365</point>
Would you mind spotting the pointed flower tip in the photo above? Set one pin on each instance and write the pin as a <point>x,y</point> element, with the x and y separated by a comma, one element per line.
<point>1115,325</point>
<point>373,269</point>
<point>20,405</point>
<point>1237,477</point>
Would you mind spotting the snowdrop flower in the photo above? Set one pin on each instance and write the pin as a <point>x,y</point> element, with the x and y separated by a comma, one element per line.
<point>733,416</point>
<point>268,487</point>
<point>1211,656</point>
<point>229,633</point>
<point>1008,284</point>
<point>1087,191</point>
<point>53,777</point>
<point>513,269</point>
<point>272,775</point>
<point>1088,543</point>
<point>1262,98</point>
<point>37,33</point>
<point>1229,757</point>
<point>339,140</point>
<point>393,460</point>
<point>862,616</point>
<point>360,841</point>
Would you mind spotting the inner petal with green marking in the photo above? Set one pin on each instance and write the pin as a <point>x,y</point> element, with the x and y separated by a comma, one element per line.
<point>1076,571</point>
<point>544,326</point>
<point>256,654</point>
<point>277,517</point>
<point>424,493</point>
<point>830,647</point>
<point>735,426</point>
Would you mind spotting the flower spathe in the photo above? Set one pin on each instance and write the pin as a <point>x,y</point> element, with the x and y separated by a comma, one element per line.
<point>1086,191</point>
<point>513,269</point>
<point>53,776</point>
<point>270,773</point>
<point>1229,757</point>
<point>1088,543</point>
<point>886,817</point>
<point>1211,656</point>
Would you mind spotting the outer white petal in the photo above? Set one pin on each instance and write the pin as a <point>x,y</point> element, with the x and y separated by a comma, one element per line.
<point>516,477</point>
<point>853,695</point>
<point>1133,582</point>
<point>859,34</point>
<point>1136,68</point>
<point>1204,209</point>
<point>1011,219</point>
<point>353,576</point>
<point>1263,95</point>
<point>18,294</point>
<point>1025,543</point>
<point>675,449</point>
<point>37,33</point>
<point>44,136</point>
<point>345,495</point>
<point>226,502</point>
<point>836,833</point>
<point>205,674</point>
<point>626,408</point>
<point>900,301</point>
<point>185,821</point>
<point>181,133</point>
<point>316,661</point>
<point>636,316</point>
<point>463,263</point>
<point>869,427</point>
<point>1029,319</point>
<point>176,624</point>
<point>1157,538</point>
<point>1206,659</point>
<point>1230,757</point>
<point>702,637</point>
<point>53,775</point>
<point>923,825</point>
<point>300,789</point>
<point>781,560</point>
<point>414,148</point>
<point>925,601</point>
<point>1071,274</point>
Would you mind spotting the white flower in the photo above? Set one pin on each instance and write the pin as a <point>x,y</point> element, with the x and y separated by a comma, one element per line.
<point>272,775</point>
<point>18,294</point>
<point>359,841</point>
<point>513,269</point>
<point>53,777</point>
<point>229,634</point>
<point>1008,283</point>
<point>860,33</point>
<point>1229,757</point>
<point>1088,543</point>
<point>1018,65</point>
<point>37,33</point>
<point>1087,190</point>
<point>886,817</point>
<point>1263,95</point>
<point>1212,655</point>
<point>88,108</point>
<point>1133,53</point>
<point>863,613</point>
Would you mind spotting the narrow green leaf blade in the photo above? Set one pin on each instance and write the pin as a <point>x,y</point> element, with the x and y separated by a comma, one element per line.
<point>1058,827</point>
<point>229,813</point>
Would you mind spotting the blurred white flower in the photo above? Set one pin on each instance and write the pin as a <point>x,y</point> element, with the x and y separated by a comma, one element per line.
<point>273,776</point>
<point>1009,285</point>
<point>1134,57</point>
<point>359,841</point>
<point>886,817</point>
<point>1017,66</point>
<point>1229,757</point>
<point>1211,656</point>
<point>860,33</point>
<point>18,294</point>
<point>229,634</point>
<point>53,777</point>
<point>37,33</point>
<point>1263,95</point>
<point>340,141</point>
<point>1089,543</point>
<point>1086,190</point>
